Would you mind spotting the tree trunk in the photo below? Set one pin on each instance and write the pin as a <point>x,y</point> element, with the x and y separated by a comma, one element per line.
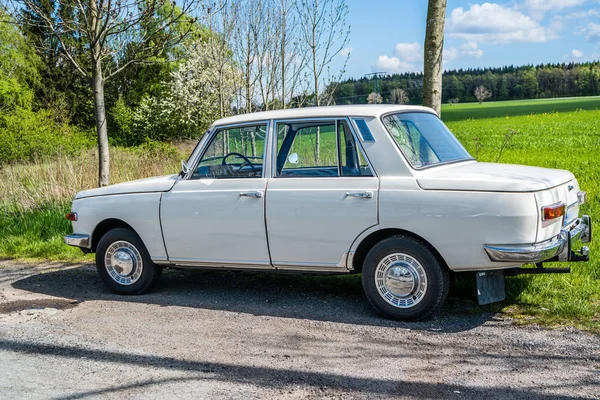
<point>434,45</point>
<point>100,112</point>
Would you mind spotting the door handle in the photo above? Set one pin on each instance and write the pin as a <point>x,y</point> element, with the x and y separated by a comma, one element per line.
<point>362,195</point>
<point>256,195</point>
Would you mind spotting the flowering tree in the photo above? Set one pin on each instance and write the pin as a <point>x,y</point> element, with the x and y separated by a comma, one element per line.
<point>200,89</point>
<point>481,93</point>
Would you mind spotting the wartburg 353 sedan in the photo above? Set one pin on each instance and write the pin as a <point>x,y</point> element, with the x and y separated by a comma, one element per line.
<point>382,190</point>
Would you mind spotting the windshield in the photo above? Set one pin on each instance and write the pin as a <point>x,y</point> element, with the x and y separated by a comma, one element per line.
<point>424,139</point>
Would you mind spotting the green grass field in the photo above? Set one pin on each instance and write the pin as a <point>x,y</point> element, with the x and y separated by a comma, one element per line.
<point>459,112</point>
<point>558,133</point>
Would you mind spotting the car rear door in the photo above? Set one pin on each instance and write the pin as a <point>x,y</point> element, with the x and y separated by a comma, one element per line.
<point>322,194</point>
<point>216,216</point>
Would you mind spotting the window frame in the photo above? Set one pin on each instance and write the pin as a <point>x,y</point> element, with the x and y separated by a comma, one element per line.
<point>213,131</point>
<point>335,120</point>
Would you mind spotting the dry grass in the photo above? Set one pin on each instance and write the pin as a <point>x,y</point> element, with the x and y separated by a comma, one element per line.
<point>30,185</point>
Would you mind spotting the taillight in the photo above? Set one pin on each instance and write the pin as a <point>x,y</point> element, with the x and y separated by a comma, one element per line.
<point>553,211</point>
<point>72,216</point>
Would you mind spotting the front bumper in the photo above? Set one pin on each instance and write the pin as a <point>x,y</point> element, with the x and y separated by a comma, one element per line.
<point>82,241</point>
<point>558,248</point>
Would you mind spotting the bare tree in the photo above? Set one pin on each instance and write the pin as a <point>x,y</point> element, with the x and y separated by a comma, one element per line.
<point>374,98</point>
<point>106,30</point>
<point>481,93</point>
<point>399,96</point>
<point>292,53</point>
<point>323,30</point>
<point>222,24</point>
<point>434,45</point>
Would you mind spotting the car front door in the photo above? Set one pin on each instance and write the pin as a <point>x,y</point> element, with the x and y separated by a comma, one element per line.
<point>216,217</point>
<point>322,194</point>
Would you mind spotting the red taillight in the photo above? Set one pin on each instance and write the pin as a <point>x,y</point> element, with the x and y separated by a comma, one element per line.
<point>554,211</point>
<point>72,216</point>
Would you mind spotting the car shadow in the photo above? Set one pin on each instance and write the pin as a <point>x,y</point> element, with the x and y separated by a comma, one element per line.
<point>320,298</point>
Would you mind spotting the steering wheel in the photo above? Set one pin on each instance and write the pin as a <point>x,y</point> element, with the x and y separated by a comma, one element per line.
<point>246,159</point>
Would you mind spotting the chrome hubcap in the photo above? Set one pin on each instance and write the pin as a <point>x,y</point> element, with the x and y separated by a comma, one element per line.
<point>401,280</point>
<point>123,262</point>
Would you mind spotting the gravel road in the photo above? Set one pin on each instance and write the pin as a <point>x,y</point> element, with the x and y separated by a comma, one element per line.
<point>209,334</point>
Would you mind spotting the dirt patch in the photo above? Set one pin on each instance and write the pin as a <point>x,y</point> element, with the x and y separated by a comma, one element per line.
<point>21,305</point>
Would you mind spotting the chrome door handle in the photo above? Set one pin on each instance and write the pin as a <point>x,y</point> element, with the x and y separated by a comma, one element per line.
<point>256,195</point>
<point>362,195</point>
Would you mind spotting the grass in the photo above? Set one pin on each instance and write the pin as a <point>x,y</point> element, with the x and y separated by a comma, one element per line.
<point>567,140</point>
<point>464,111</point>
<point>564,134</point>
<point>34,197</point>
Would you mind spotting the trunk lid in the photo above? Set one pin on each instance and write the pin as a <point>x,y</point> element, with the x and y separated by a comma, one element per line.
<point>491,177</point>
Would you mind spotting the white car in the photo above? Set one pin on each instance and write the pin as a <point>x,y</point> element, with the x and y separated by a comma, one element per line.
<point>382,190</point>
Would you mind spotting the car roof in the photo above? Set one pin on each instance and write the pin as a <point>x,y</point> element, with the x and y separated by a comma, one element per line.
<point>362,110</point>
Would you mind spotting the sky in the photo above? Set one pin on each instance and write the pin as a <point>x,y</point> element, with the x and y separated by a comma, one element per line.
<point>387,35</point>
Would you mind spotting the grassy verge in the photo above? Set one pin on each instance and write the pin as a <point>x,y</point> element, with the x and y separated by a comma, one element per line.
<point>37,233</point>
<point>569,140</point>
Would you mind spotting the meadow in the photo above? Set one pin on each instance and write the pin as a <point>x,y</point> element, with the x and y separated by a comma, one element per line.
<point>557,133</point>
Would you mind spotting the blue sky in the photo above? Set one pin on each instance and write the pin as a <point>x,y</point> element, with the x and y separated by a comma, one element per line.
<point>387,35</point>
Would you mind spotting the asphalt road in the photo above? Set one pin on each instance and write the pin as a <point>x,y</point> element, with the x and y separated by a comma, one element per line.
<point>239,335</point>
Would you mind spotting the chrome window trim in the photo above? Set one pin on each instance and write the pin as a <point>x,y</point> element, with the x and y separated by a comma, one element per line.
<point>353,131</point>
<point>212,133</point>
<point>382,116</point>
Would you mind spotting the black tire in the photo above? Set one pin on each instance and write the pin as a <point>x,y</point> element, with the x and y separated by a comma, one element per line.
<point>144,273</point>
<point>417,283</point>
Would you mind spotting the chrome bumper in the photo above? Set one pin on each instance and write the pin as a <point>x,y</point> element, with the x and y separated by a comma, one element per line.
<point>82,241</point>
<point>556,249</point>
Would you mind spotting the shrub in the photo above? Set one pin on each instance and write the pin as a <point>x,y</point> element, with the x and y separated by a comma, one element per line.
<point>27,135</point>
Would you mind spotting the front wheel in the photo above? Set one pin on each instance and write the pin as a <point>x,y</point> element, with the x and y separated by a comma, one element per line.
<point>404,280</point>
<point>124,264</point>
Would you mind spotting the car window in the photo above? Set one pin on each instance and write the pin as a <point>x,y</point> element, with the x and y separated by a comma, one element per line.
<point>233,153</point>
<point>424,139</point>
<point>307,149</point>
<point>352,159</point>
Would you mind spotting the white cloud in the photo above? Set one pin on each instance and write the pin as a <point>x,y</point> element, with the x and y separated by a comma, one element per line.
<point>582,14</point>
<point>409,52</point>
<point>546,5</point>
<point>345,52</point>
<point>493,23</point>
<point>576,53</point>
<point>392,65</point>
<point>408,57</point>
<point>471,49</point>
<point>450,54</point>
<point>592,32</point>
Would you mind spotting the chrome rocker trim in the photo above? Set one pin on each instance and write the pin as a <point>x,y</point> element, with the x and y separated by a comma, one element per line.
<point>82,241</point>
<point>558,248</point>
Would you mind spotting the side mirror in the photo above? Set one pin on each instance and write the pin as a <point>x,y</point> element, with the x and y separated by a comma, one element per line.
<point>293,158</point>
<point>184,167</point>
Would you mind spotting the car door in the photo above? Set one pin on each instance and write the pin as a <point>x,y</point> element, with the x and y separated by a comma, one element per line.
<point>215,217</point>
<point>322,194</point>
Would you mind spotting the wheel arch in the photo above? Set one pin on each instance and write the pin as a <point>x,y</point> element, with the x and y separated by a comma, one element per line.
<point>377,236</point>
<point>106,225</point>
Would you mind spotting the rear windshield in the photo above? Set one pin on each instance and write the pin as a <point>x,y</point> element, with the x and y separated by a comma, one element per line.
<point>424,139</point>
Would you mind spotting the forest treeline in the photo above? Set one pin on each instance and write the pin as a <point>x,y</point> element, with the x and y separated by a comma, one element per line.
<point>505,83</point>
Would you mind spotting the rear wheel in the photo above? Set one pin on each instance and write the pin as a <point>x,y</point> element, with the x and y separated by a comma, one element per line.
<point>404,280</point>
<point>124,264</point>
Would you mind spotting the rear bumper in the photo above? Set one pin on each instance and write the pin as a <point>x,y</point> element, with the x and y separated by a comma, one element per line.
<point>82,241</point>
<point>558,248</point>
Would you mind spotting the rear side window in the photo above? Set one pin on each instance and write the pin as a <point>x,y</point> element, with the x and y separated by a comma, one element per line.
<point>307,149</point>
<point>319,149</point>
<point>424,139</point>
